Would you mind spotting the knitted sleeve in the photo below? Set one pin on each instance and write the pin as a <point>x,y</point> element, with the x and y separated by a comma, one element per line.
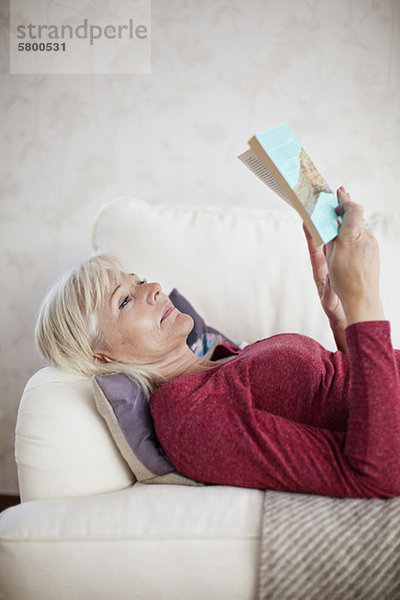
<point>372,447</point>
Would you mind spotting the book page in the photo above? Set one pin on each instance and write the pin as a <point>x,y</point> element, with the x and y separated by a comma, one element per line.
<point>251,160</point>
<point>311,189</point>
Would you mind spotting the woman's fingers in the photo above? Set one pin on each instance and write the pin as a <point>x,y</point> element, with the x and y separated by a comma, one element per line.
<point>318,262</point>
<point>352,225</point>
<point>316,252</point>
<point>329,300</point>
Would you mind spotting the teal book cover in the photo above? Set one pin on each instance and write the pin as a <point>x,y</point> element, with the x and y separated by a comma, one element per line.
<point>311,189</point>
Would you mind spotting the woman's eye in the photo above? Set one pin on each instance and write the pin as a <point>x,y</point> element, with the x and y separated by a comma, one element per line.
<point>124,302</point>
<point>143,281</point>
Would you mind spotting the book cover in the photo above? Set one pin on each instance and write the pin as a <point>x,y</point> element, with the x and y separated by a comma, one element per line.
<point>278,159</point>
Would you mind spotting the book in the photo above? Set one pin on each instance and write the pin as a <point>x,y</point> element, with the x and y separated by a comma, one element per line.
<point>277,158</point>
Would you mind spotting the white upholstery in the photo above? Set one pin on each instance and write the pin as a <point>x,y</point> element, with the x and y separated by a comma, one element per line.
<point>63,447</point>
<point>146,543</point>
<point>247,272</point>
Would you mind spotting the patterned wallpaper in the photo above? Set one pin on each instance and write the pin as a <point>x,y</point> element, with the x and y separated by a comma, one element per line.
<point>221,70</point>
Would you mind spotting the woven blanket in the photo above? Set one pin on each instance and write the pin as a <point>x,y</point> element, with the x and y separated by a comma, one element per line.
<point>318,548</point>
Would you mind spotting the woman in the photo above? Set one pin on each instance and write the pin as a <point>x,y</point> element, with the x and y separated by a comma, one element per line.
<point>284,413</point>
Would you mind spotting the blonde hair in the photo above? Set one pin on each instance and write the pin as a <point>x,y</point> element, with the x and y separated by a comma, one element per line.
<point>67,329</point>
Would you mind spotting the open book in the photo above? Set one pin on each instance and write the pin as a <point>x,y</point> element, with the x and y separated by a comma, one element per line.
<point>278,159</point>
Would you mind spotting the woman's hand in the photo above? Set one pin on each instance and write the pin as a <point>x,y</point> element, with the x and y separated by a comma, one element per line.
<point>353,264</point>
<point>330,301</point>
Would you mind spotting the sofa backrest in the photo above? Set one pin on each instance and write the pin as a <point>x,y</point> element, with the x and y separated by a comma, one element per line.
<point>246,272</point>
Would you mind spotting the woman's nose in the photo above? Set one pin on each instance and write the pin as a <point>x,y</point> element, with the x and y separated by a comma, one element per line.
<point>153,290</point>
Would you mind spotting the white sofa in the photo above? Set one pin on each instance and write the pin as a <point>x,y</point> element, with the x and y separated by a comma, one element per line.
<point>85,529</point>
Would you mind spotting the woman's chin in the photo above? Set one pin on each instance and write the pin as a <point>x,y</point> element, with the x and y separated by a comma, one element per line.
<point>185,322</point>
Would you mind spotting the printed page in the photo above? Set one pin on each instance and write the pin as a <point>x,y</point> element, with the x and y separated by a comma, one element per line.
<point>297,168</point>
<point>251,160</point>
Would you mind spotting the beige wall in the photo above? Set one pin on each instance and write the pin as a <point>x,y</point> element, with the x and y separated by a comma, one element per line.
<point>221,69</point>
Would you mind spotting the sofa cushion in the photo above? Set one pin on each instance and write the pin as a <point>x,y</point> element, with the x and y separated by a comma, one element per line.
<point>167,543</point>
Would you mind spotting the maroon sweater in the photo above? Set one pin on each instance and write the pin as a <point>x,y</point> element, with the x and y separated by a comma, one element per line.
<point>287,414</point>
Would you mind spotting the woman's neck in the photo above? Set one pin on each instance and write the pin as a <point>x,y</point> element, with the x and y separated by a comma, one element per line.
<point>189,363</point>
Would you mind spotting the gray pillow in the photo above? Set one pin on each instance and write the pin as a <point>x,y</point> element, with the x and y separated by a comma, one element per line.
<point>202,337</point>
<point>126,411</point>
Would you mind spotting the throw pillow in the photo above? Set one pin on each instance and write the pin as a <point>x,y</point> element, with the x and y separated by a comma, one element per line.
<point>202,337</point>
<point>126,411</point>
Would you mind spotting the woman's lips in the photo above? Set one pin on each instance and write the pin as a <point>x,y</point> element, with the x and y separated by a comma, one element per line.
<point>167,311</point>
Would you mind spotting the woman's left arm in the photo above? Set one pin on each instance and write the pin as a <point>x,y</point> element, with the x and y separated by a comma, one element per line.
<point>329,300</point>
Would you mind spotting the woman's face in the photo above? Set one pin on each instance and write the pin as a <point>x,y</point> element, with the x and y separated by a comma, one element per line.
<point>139,324</point>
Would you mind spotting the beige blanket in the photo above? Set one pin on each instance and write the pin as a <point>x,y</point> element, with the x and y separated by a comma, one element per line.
<point>317,548</point>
